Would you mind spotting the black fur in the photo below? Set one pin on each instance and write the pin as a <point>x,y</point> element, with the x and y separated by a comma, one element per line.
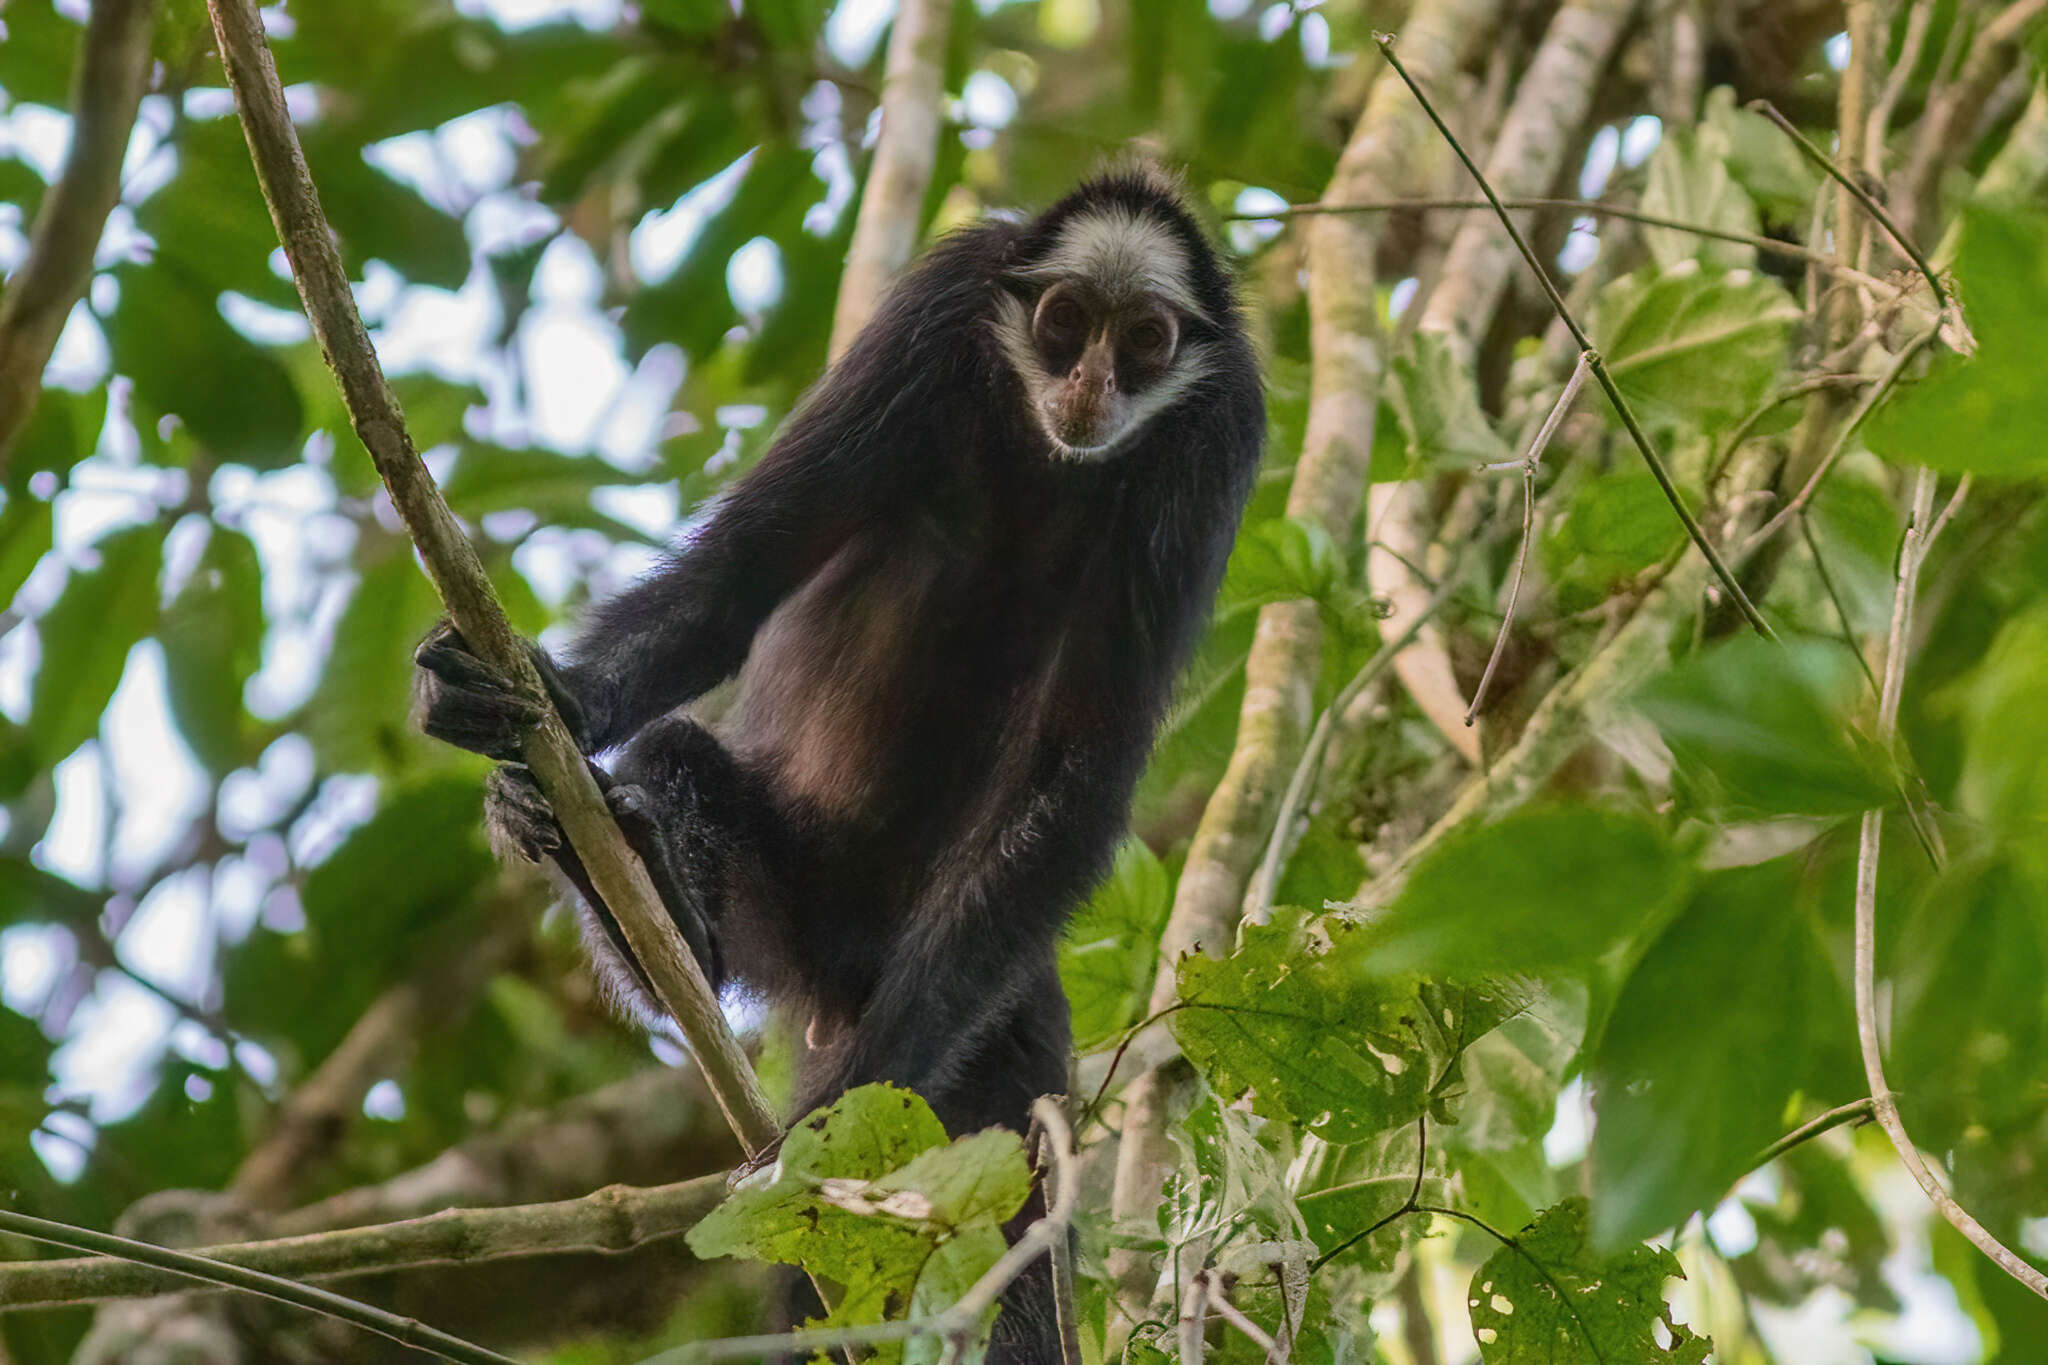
<point>953,649</point>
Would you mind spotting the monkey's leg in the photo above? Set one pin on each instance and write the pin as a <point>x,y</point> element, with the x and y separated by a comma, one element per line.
<point>520,821</point>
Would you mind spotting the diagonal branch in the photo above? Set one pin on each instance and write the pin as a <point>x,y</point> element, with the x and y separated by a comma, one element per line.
<point>458,575</point>
<point>113,69</point>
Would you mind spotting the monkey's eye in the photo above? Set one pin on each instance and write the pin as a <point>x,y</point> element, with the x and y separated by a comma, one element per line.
<point>1149,338</point>
<point>1061,318</point>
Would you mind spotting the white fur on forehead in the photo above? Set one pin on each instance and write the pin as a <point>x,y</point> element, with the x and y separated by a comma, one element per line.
<point>1122,253</point>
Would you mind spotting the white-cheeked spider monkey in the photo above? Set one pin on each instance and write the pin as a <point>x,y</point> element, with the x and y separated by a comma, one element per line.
<point>956,591</point>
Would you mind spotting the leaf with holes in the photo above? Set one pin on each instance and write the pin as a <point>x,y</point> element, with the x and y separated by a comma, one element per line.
<point>1547,1298</point>
<point>1111,948</point>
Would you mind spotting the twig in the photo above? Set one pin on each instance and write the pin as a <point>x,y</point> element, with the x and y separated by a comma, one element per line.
<point>1602,207</point>
<point>406,1331</point>
<point>956,1324</point>
<point>1230,1313</point>
<point>113,69</point>
<point>1528,465</point>
<point>1878,391</point>
<point>1863,199</point>
<point>1856,1111</point>
<point>885,232</point>
<point>1895,83</point>
<point>1116,1060</point>
<point>1912,555</point>
<point>1585,344</point>
<point>1827,583</point>
<point>451,561</point>
<point>615,1219</point>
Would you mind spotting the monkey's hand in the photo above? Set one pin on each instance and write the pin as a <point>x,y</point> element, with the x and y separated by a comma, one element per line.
<point>464,701</point>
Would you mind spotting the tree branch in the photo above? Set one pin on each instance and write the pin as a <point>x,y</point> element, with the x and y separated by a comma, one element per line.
<point>1920,533</point>
<point>113,70</point>
<point>451,561</point>
<point>892,206</point>
<point>615,1219</point>
<point>1390,149</point>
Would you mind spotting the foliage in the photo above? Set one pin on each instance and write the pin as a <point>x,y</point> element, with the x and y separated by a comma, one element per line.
<point>600,245</point>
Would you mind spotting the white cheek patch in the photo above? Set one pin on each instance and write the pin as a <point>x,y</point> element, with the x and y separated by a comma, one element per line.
<point>1122,255</point>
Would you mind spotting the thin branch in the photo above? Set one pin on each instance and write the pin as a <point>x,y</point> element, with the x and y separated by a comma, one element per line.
<point>1130,1036</point>
<point>1194,1309</point>
<point>1856,1111</point>
<point>1528,465</point>
<point>1585,344</point>
<point>1230,1313</point>
<point>615,1219</point>
<point>1879,124</point>
<point>113,70</point>
<point>1827,583</point>
<point>1862,197</point>
<point>1912,555</point>
<point>451,561</point>
<point>956,1324</point>
<point>892,206</point>
<point>1877,394</point>
<point>190,1266</point>
<point>1601,207</point>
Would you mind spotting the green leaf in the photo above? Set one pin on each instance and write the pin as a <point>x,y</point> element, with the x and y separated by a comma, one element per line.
<point>1818,1230</point>
<point>404,879</point>
<point>1549,1298</point>
<point>27,529</point>
<point>1765,728</point>
<point>1618,524</point>
<point>2004,780</point>
<point>1438,403</point>
<point>86,635</point>
<point>212,634</point>
<point>1762,159</point>
<point>1705,1046</point>
<point>1284,559</point>
<point>553,486</point>
<point>210,223</point>
<point>1981,414</point>
<point>1689,180</point>
<point>241,403</point>
<point>1543,890</point>
<point>1695,347</point>
<point>869,1194</point>
<point>357,718</point>
<point>63,429</point>
<point>1293,1019</point>
<point>1111,949</point>
<point>1969,1045</point>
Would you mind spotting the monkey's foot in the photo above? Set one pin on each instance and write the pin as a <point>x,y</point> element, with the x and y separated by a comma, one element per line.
<point>518,816</point>
<point>471,704</point>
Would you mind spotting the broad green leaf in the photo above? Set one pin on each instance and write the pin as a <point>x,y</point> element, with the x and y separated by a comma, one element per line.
<point>1293,1019</point>
<point>36,58</point>
<point>212,634</point>
<point>1761,158</point>
<point>2005,734</point>
<point>27,528</point>
<point>1695,347</point>
<point>1689,180</point>
<point>1765,729</point>
<point>1438,402</point>
<point>376,217</point>
<point>868,1193</point>
<point>1281,560</point>
<point>553,486</point>
<point>210,223</point>
<point>403,880</point>
<point>63,429</point>
<point>1544,890</point>
<point>1983,414</point>
<point>359,717</point>
<point>241,404</point>
<point>1550,1298</point>
<point>1704,1048</point>
<point>1511,1076</point>
<point>1969,1043</point>
<point>1618,524</point>
<point>86,635</point>
<point>1111,949</point>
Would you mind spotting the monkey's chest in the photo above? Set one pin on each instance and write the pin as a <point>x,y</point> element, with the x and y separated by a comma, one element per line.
<point>893,685</point>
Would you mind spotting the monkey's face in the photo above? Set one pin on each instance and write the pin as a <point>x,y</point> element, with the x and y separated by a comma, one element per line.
<point>1100,355</point>
<point>1105,344</point>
